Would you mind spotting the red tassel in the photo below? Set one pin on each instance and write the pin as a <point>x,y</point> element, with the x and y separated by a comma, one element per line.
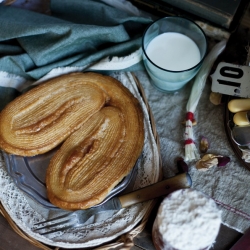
<point>189,141</point>
<point>190,116</point>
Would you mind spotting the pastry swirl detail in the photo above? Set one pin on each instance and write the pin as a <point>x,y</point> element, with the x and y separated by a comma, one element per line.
<point>42,118</point>
<point>100,124</point>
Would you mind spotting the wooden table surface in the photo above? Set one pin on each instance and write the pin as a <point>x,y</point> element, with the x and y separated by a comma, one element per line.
<point>10,240</point>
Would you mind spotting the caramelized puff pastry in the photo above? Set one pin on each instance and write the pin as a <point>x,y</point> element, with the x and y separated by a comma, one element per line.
<point>45,116</point>
<point>104,135</point>
<point>95,158</point>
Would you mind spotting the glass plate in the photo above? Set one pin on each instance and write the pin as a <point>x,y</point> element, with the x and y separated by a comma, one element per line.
<point>29,175</point>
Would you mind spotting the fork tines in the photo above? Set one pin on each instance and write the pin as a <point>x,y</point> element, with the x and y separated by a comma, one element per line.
<point>59,223</point>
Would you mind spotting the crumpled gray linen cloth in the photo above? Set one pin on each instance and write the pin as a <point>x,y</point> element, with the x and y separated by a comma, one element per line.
<point>77,33</point>
<point>229,185</point>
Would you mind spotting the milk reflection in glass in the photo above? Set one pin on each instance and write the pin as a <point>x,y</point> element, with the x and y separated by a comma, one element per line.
<point>173,51</point>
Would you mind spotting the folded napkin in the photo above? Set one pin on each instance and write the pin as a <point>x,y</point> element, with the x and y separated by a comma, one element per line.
<point>77,33</point>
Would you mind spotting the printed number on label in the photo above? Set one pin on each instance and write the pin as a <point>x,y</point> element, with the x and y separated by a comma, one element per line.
<point>231,79</point>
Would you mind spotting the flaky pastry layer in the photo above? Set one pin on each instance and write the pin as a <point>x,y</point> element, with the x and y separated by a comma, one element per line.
<point>100,123</point>
<point>43,117</point>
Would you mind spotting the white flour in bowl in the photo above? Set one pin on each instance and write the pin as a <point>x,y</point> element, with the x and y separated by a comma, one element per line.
<point>187,219</point>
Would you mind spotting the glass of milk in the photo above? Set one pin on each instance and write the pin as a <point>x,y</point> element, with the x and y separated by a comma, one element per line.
<point>173,51</point>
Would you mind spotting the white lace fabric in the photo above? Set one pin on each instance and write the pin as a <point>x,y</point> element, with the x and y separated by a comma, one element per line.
<point>101,229</point>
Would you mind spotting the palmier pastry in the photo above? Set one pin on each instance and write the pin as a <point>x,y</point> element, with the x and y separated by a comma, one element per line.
<point>43,117</point>
<point>104,136</point>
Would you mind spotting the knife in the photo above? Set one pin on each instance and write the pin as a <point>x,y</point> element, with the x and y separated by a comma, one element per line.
<point>156,190</point>
<point>80,217</point>
<point>150,192</point>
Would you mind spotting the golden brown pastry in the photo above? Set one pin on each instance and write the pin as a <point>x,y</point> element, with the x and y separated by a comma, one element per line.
<point>102,123</point>
<point>42,118</point>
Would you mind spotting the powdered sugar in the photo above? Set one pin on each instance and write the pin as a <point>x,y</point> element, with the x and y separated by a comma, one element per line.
<point>188,220</point>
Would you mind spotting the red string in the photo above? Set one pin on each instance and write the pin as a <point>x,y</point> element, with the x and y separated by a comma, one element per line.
<point>189,116</point>
<point>189,141</point>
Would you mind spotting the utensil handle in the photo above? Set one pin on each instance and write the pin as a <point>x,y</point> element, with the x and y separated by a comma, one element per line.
<point>156,190</point>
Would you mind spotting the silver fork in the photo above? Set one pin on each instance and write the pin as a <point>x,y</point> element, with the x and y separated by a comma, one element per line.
<point>75,219</point>
<point>80,217</point>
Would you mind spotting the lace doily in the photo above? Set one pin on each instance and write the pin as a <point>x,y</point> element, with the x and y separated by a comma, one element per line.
<point>25,212</point>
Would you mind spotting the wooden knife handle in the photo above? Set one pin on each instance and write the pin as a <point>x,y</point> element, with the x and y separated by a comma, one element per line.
<point>156,190</point>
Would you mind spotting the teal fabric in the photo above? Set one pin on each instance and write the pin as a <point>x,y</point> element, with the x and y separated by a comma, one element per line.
<point>76,33</point>
<point>7,95</point>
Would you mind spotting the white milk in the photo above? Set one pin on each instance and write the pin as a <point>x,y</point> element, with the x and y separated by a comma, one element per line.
<point>173,51</point>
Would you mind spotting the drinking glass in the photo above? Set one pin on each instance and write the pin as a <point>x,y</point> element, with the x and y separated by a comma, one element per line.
<point>163,78</point>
